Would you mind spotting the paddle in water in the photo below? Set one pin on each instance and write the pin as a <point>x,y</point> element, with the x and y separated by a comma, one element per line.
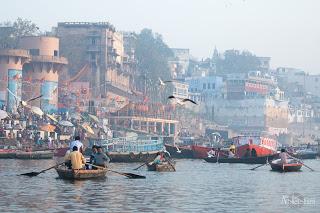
<point>300,161</point>
<point>33,174</point>
<point>267,162</point>
<point>140,166</point>
<point>128,175</point>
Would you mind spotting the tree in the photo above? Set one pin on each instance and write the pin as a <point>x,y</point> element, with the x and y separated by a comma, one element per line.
<point>152,55</point>
<point>235,61</point>
<point>10,32</point>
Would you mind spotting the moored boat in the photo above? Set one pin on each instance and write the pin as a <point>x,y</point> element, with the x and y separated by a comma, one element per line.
<point>179,151</point>
<point>80,174</point>
<point>254,146</point>
<point>200,152</point>
<point>291,166</point>
<point>163,167</point>
<point>249,160</point>
<point>130,149</point>
<point>305,154</point>
<point>34,155</point>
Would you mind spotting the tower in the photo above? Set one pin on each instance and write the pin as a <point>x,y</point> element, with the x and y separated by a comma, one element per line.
<point>11,64</point>
<point>41,75</point>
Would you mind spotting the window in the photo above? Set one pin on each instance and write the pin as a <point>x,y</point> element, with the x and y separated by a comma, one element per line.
<point>93,41</point>
<point>55,53</point>
<point>34,52</point>
<point>213,85</point>
<point>209,85</point>
<point>204,86</point>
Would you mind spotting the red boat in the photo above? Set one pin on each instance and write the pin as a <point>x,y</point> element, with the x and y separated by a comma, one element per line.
<point>254,146</point>
<point>200,152</point>
<point>291,166</point>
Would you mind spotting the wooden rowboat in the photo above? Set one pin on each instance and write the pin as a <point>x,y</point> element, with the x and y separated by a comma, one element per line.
<point>81,174</point>
<point>291,166</point>
<point>163,167</point>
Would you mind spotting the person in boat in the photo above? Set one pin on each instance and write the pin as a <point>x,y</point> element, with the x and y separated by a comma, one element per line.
<point>77,143</point>
<point>212,153</point>
<point>284,156</point>
<point>253,153</point>
<point>233,148</point>
<point>76,158</point>
<point>94,152</point>
<point>232,151</point>
<point>157,160</point>
<point>100,158</point>
<point>247,153</point>
<point>67,161</point>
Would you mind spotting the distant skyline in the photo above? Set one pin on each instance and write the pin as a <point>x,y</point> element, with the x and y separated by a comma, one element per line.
<point>288,31</point>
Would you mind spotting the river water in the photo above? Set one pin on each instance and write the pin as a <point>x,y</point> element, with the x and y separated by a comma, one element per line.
<point>196,186</point>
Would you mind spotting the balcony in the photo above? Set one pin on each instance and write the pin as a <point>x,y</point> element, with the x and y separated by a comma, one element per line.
<point>50,59</point>
<point>15,52</point>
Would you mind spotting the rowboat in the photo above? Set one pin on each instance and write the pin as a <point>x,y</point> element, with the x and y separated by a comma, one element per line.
<point>291,166</point>
<point>163,167</point>
<point>80,174</point>
<point>249,160</point>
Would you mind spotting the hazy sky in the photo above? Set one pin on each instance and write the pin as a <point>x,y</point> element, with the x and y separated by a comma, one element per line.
<point>286,30</point>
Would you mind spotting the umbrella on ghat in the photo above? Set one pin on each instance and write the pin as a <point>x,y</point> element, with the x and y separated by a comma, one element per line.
<point>37,111</point>
<point>94,118</point>
<point>65,123</point>
<point>3,114</point>
<point>48,128</point>
<point>86,127</point>
<point>52,118</point>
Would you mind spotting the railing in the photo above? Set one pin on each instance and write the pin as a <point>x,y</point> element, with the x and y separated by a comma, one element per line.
<point>14,52</point>
<point>127,145</point>
<point>47,58</point>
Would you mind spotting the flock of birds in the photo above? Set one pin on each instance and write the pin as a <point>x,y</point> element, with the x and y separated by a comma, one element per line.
<point>179,101</point>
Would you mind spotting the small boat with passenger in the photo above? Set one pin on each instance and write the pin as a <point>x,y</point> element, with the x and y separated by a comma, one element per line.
<point>162,167</point>
<point>291,166</point>
<point>80,174</point>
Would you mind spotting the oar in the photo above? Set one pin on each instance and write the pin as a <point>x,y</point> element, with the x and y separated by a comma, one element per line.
<point>140,166</point>
<point>169,161</point>
<point>267,162</point>
<point>32,174</point>
<point>129,175</point>
<point>300,161</point>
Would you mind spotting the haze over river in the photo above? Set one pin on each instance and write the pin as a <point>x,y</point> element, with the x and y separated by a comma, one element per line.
<point>197,186</point>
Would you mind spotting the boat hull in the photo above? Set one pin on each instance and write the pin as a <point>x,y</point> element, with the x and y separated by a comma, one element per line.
<point>132,157</point>
<point>186,151</point>
<point>70,174</point>
<point>200,152</point>
<point>34,155</point>
<point>250,160</point>
<point>292,167</point>
<point>261,151</point>
<point>305,155</point>
<point>164,167</point>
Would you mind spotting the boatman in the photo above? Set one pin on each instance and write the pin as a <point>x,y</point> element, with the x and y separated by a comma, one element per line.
<point>157,160</point>
<point>77,143</point>
<point>284,156</point>
<point>76,158</point>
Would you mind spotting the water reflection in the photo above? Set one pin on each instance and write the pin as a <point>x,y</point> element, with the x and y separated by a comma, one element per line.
<point>197,186</point>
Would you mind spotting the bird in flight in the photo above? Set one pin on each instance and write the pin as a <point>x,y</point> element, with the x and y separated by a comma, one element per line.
<point>163,83</point>
<point>182,101</point>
